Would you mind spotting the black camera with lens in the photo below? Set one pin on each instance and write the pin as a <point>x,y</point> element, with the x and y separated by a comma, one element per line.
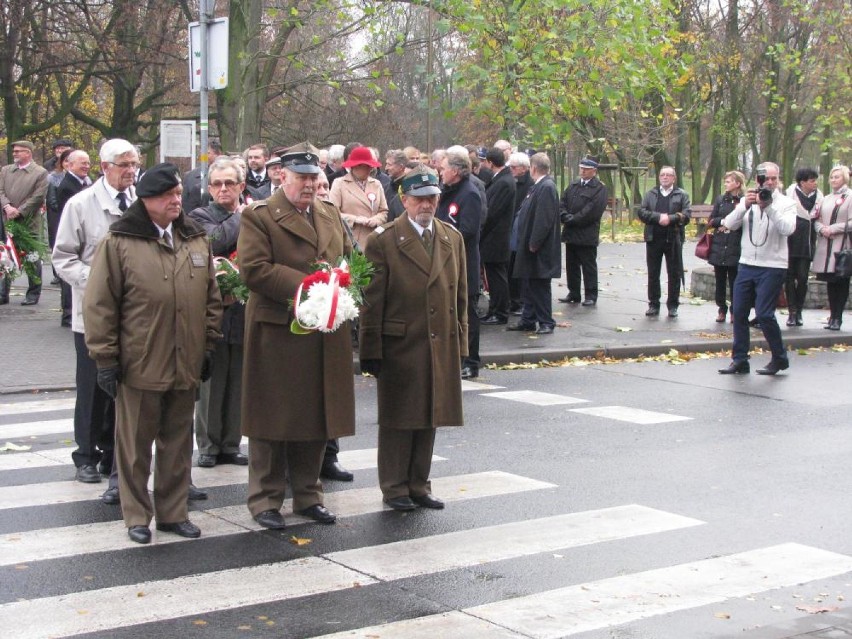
<point>763,194</point>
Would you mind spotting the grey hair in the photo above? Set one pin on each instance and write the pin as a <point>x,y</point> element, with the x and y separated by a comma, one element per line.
<point>223,163</point>
<point>541,163</point>
<point>519,159</point>
<point>335,153</point>
<point>458,158</point>
<point>115,147</point>
<point>766,165</point>
<point>397,156</point>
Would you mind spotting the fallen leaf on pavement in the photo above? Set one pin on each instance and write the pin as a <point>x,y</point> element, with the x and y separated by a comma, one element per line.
<point>199,622</point>
<point>813,610</point>
<point>623,329</point>
<point>722,615</point>
<point>300,541</point>
<point>10,446</point>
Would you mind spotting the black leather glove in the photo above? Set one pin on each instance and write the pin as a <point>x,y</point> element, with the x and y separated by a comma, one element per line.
<point>108,379</point>
<point>371,367</point>
<point>207,366</point>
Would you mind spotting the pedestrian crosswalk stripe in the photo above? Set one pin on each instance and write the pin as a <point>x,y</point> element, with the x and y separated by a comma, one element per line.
<point>352,459</point>
<point>52,543</point>
<point>536,398</point>
<point>619,600</point>
<point>35,429</point>
<point>18,461</point>
<point>494,543</point>
<point>122,606</point>
<point>40,406</point>
<point>448,624</point>
<point>468,385</point>
<point>632,415</point>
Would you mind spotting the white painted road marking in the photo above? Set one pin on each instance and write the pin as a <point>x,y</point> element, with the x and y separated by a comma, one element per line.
<point>52,543</point>
<point>536,398</point>
<point>632,415</point>
<point>620,600</point>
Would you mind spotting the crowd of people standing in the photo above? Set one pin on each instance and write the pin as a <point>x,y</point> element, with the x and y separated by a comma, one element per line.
<point>160,350</point>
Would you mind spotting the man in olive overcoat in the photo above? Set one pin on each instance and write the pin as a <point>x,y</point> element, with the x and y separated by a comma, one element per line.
<point>298,390</point>
<point>413,334</point>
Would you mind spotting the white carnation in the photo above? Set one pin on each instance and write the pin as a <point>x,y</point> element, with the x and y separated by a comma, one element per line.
<point>313,312</point>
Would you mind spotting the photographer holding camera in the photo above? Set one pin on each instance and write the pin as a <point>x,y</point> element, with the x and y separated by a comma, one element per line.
<point>767,217</point>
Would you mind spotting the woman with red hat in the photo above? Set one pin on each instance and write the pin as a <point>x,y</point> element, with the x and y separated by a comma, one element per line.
<point>360,197</point>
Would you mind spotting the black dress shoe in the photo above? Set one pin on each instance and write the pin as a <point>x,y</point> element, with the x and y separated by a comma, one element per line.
<point>468,372</point>
<point>799,321</point>
<point>401,503</point>
<point>652,311</point>
<point>516,313</point>
<point>140,534</point>
<point>66,323</point>
<point>319,514</point>
<point>182,528</point>
<point>673,312</point>
<point>754,323</point>
<point>833,325</point>
<point>493,320</point>
<point>55,281</point>
<point>791,318</point>
<point>774,366</point>
<point>427,501</point>
<point>271,519</point>
<point>111,496</point>
<point>238,459</point>
<point>569,300</point>
<point>29,301</point>
<point>88,474</point>
<point>544,330</point>
<point>105,469</point>
<point>589,302</point>
<point>735,368</point>
<point>528,328</point>
<point>196,494</point>
<point>207,461</point>
<point>334,471</point>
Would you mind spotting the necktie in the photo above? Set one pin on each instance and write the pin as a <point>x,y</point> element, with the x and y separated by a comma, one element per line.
<point>122,201</point>
<point>168,238</point>
<point>427,240</point>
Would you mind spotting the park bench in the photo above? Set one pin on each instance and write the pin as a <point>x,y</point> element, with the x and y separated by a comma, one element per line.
<point>700,215</point>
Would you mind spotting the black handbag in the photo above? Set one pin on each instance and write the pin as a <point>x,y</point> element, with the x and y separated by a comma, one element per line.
<point>843,257</point>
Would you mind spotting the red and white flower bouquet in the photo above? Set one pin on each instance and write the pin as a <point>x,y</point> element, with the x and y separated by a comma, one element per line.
<point>330,295</point>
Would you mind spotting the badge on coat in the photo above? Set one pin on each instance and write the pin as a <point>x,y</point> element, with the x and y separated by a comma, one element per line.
<point>454,210</point>
<point>198,259</point>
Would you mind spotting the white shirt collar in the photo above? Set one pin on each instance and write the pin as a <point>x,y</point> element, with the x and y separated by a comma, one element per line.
<point>666,192</point>
<point>114,194</point>
<point>162,231</point>
<point>419,228</point>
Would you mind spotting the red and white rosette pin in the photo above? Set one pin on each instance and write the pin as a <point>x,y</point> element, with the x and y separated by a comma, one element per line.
<point>372,198</point>
<point>454,210</point>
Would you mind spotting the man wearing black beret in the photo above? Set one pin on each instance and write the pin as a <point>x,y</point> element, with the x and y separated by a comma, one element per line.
<point>152,313</point>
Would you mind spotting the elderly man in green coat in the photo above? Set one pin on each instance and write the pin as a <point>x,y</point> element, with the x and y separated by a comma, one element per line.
<point>413,335</point>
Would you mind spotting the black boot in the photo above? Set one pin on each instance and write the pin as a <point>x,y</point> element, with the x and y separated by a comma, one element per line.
<point>791,317</point>
<point>5,285</point>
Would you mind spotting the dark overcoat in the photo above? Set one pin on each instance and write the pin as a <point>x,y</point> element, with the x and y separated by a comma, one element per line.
<point>295,387</point>
<point>725,250</point>
<point>494,242</point>
<point>581,209</point>
<point>415,321</point>
<point>461,206</point>
<point>538,226</point>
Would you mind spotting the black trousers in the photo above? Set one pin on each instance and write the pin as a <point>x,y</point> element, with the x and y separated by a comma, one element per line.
<point>497,274</point>
<point>581,261</point>
<point>514,286</point>
<point>655,250</point>
<point>796,282</point>
<point>94,413</point>
<point>538,303</point>
<point>838,294</point>
<point>725,275</point>
<point>472,359</point>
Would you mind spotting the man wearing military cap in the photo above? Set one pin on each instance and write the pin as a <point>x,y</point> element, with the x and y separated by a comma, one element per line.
<point>23,187</point>
<point>152,313</point>
<point>298,392</point>
<point>413,335</point>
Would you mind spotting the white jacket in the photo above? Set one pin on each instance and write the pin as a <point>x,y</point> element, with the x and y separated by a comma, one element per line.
<point>765,232</point>
<point>85,220</point>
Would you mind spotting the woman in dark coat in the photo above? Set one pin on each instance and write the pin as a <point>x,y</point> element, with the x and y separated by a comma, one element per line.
<point>725,251</point>
<point>800,245</point>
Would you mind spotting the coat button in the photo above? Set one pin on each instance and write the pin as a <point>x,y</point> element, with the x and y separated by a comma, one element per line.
<point>433,336</point>
<point>432,310</point>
